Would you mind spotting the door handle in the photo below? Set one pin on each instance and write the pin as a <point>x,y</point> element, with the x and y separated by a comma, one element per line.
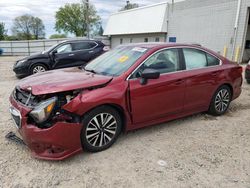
<point>91,51</point>
<point>214,74</point>
<point>179,82</point>
<point>71,54</point>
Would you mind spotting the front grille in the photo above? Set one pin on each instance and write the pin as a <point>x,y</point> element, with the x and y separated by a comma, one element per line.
<point>24,97</point>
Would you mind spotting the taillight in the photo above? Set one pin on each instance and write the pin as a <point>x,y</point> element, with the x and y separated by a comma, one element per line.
<point>240,69</point>
<point>106,48</point>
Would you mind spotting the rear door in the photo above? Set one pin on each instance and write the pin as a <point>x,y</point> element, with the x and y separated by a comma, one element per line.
<point>85,51</point>
<point>160,97</point>
<point>203,72</point>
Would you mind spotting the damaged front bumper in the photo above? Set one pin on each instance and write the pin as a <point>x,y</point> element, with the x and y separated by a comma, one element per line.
<point>58,142</point>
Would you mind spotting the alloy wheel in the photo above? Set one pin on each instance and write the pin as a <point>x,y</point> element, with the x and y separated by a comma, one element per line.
<point>222,100</point>
<point>38,69</point>
<point>101,130</point>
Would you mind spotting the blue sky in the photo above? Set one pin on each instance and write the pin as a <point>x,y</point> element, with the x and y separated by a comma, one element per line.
<point>45,9</point>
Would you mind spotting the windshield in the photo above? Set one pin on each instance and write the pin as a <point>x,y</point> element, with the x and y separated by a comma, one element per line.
<point>50,48</point>
<point>116,61</point>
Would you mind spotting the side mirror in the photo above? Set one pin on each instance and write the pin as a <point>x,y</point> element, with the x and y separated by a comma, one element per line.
<point>149,74</point>
<point>54,52</point>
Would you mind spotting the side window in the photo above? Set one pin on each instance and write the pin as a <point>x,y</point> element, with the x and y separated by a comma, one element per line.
<point>194,58</point>
<point>212,61</point>
<point>64,49</point>
<point>165,61</point>
<point>91,45</point>
<point>83,45</point>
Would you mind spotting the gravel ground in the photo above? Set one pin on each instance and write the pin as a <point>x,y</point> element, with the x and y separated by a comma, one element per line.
<point>197,151</point>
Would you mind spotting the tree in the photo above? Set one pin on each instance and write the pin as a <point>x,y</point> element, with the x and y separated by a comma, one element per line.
<point>73,18</point>
<point>129,6</point>
<point>58,36</point>
<point>37,28</point>
<point>2,31</point>
<point>100,32</point>
<point>28,27</point>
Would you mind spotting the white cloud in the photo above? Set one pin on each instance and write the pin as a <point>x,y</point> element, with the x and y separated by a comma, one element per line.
<point>45,9</point>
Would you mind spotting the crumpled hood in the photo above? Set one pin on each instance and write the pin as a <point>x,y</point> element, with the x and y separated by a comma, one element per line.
<point>62,80</point>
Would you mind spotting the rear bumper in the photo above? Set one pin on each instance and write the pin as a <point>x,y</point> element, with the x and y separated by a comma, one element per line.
<point>247,72</point>
<point>58,142</point>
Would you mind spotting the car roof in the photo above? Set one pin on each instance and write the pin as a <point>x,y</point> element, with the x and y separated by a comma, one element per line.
<point>160,44</point>
<point>81,40</point>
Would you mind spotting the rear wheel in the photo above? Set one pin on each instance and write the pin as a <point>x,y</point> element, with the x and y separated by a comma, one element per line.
<point>101,128</point>
<point>37,68</point>
<point>220,101</point>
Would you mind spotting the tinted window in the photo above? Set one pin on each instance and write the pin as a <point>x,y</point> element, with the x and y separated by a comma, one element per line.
<point>165,61</point>
<point>83,45</point>
<point>212,61</point>
<point>64,48</point>
<point>194,58</point>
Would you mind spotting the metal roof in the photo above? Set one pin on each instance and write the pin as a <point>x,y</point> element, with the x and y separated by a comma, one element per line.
<point>147,19</point>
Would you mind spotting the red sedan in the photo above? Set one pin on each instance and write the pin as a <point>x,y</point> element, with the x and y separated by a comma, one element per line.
<point>62,112</point>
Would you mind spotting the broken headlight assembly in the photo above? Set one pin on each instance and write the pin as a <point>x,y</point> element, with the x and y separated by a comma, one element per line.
<point>43,110</point>
<point>49,111</point>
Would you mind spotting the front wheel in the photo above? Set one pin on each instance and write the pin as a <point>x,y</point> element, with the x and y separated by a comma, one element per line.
<point>220,101</point>
<point>101,128</point>
<point>37,68</point>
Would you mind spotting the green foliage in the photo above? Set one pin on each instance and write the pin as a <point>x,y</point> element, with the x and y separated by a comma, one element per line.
<point>100,32</point>
<point>10,38</point>
<point>129,6</point>
<point>58,36</point>
<point>28,27</point>
<point>2,31</point>
<point>73,18</point>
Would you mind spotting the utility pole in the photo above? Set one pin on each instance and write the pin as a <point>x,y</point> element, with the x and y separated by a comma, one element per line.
<point>87,17</point>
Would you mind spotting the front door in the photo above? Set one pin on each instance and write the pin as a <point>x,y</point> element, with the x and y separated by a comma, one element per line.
<point>64,56</point>
<point>160,97</point>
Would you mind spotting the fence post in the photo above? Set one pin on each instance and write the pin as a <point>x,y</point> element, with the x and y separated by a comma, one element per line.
<point>29,47</point>
<point>11,50</point>
<point>44,45</point>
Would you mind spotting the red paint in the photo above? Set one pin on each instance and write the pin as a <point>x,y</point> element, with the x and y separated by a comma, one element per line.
<point>62,80</point>
<point>171,96</point>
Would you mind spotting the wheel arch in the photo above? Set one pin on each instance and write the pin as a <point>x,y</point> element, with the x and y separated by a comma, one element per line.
<point>118,108</point>
<point>228,85</point>
<point>38,63</point>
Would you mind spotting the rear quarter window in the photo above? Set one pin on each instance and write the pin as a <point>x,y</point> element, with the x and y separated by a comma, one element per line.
<point>212,61</point>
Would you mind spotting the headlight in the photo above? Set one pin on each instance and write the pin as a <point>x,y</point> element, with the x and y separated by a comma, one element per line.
<point>248,62</point>
<point>43,110</point>
<point>20,62</point>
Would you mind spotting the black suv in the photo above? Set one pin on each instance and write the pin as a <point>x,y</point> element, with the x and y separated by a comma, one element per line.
<point>65,54</point>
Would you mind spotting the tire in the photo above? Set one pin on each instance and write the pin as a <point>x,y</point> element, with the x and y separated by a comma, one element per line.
<point>220,101</point>
<point>38,68</point>
<point>248,81</point>
<point>98,133</point>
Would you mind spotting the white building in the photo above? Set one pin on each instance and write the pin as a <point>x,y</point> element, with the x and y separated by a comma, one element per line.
<point>221,25</point>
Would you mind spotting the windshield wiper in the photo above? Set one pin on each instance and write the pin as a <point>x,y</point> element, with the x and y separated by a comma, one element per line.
<point>92,71</point>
